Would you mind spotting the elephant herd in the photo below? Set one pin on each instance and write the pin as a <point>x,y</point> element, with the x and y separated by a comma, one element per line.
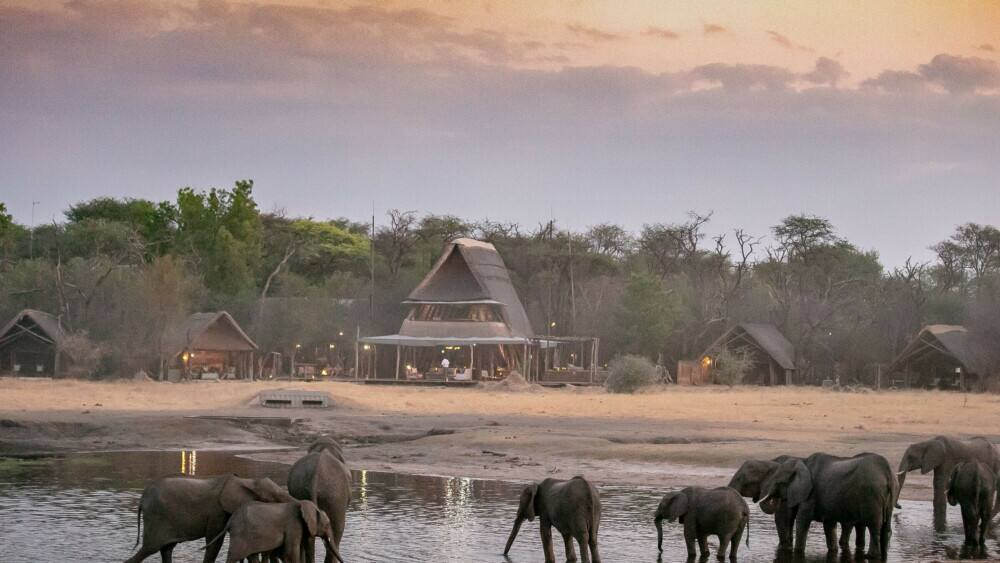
<point>857,493</point>
<point>261,518</point>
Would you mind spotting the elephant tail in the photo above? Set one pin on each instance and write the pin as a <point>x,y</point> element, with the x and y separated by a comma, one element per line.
<point>138,524</point>
<point>746,518</point>
<point>219,536</point>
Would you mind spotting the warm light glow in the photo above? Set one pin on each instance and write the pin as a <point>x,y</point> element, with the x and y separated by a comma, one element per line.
<point>367,347</point>
<point>341,333</point>
<point>298,345</point>
<point>186,356</point>
<point>552,324</point>
<point>706,361</point>
<point>332,346</point>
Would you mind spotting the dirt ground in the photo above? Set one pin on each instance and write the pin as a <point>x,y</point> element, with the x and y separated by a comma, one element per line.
<point>669,436</point>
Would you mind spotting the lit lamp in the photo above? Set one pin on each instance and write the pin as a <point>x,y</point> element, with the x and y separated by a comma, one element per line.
<point>367,347</point>
<point>706,361</point>
<point>332,346</point>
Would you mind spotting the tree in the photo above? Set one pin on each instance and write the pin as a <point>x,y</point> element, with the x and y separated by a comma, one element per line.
<point>644,317</point>
<point>221,231</point>
<point>732,366</point>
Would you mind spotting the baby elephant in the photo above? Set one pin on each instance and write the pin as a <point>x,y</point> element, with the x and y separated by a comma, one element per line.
<point>973,485</point>
<point>277,530</point>
<point>718,512</point>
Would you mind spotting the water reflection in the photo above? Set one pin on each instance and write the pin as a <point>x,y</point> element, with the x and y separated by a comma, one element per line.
<point>84,505</point>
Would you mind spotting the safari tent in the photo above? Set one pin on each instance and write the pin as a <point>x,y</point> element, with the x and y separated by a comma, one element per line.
<point>773,355</point>
<point>944,357</point>
<point>209,346</point>
<point>465,310</point>
<point>31,344</point>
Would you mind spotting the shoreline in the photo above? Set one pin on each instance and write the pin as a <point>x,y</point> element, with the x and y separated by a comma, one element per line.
<point>668,437</point>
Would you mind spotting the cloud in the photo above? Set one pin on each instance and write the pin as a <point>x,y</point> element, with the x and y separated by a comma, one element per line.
<point>787,43</point>
<point>827,71</point>
<point>661,32</point>
<point>742,77</point>
<point>713,29</point>
<point>961,74</point>
<point>897,82</point>
<point>987,47</point>
<point>592,33</point>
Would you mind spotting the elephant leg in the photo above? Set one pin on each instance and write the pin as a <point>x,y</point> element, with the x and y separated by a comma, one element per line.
<point>734,545</point>
<point>830,531</point>
<point>725,543</point>
<point>690,538</point>
<point>875,549</point>
<point>940,499</point>
<point>570,550</point>
<point>546,531</point>
<point>784,524</point>
<point>167,553</point>
<point>142,554</point>
<point>859,540</point>
<point>801,533</point>
<point>584,540</point>
<point>212,551</point>
<point>595,555</point>
<point>703,545</point>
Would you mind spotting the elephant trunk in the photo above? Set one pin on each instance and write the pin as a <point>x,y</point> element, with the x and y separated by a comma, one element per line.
<point>659,533</point>
<point>513,534</point>
<point>331,546</point>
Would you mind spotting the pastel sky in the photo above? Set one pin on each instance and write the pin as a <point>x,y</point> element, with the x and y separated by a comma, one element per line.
<point>883,116</point>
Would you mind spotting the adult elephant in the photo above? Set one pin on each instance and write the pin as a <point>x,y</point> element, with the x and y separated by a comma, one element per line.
<point>749,479</point>
<point>180,509</point>
<point>573,507</point>
<point>322,476</point>
<point>941,454</point>
<point>855,491</point>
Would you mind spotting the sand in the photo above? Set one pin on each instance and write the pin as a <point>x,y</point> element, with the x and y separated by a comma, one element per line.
<point>667,436</point>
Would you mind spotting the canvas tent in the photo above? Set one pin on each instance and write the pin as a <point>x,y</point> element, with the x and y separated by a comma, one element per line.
<point>31,344</point>
<point>466,310</point>
<point>209,345</point>
<point>943,356</point>
<point>773,354</point>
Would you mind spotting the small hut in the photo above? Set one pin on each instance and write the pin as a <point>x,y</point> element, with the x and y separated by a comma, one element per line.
<point>31,344</point>
<point>209,346</point>
<point>773,355</point>
<point>465,321</point>
<point>943,357</point>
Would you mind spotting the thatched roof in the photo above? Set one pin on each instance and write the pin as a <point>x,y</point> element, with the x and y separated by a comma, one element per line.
<point>469,271</point>
<point>951,340</point>
<point>764,336</point>
<point>36,324</point>
<point>216,331</point>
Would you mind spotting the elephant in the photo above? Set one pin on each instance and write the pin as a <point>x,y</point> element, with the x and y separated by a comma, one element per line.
<point>277,530</point>
<point>747,482</point>
<point>974,486</point>
<point>720,512</point>
<point>941,454</point>
<point>180,509</point>
<point>857,491</point>
<point>572,506</point>
<point>322,476</point>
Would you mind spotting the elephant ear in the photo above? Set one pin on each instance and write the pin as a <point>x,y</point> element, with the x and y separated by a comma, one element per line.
<point>310,517</point>
<point>800,485</point>
<point>952,483</point>
<point>235,493</point>
<point>678,507</point>
<point>933,457</point>
<point>528,498</point>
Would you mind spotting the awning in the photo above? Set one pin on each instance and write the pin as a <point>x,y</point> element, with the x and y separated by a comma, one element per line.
<point>400,340</point>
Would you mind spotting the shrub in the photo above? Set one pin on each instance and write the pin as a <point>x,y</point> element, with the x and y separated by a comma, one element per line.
<point>630,373</point>
<point>731,366</point>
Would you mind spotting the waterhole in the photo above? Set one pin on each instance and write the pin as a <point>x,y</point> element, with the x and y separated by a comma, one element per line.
<point>82,508</point>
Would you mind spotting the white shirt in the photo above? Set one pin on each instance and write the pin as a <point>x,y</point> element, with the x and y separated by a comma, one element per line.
<point>445,363</point>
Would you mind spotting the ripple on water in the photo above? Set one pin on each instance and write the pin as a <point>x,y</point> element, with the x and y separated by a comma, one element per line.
<point>82,507</point>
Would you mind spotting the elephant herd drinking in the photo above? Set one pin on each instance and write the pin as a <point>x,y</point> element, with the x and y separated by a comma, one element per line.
<point>857,493</point>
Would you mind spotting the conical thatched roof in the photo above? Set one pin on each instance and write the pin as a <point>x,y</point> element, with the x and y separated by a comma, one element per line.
<point>951,340</point>
<point>767,337</point>
<point>216,331</point>
<point>33,323</point>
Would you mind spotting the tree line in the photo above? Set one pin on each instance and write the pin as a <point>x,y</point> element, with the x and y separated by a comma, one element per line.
<point>119,272</point>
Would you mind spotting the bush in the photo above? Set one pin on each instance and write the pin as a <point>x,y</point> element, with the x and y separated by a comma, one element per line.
<point>630,373</point>
<point>731,366</point>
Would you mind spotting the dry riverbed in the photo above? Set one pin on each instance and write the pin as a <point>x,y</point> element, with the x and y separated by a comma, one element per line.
<point>669,436</point>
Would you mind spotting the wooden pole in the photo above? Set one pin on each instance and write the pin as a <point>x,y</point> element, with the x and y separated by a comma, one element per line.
<point>357,360</point>
<point>524,367</point>
<point>397,361</point>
